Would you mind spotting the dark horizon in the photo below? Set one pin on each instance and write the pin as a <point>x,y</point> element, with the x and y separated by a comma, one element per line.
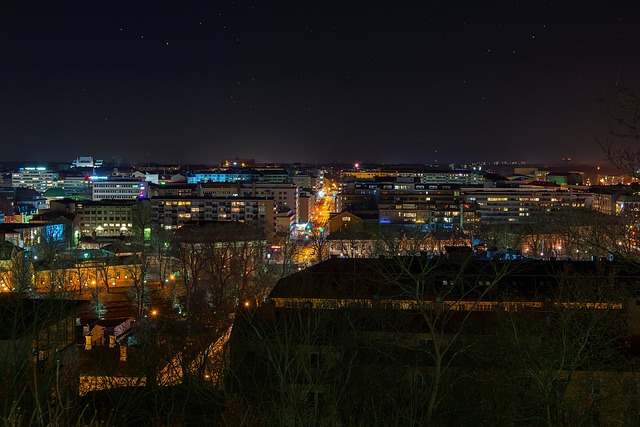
<point>506,167</point>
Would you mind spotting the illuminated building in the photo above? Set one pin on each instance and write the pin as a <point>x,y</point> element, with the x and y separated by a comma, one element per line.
<point>220,175</point>
<point>173,212</point>
<point>430,205</point>
<point>36,178</point>
<point>285,220</point>
<point>86,162</point>
<point>218,189</point>
<point>30,236</point>
<point>566,178</point>
<point>105,218</point>
<point>605,197</point>
<point>283,194</point>
<point>423,175</point>
<point>180,189</point>
<point>628,205</point>
<point>233,163</point>
<point>104,187</point>
<point>523,204</point>
<point>76,186</point>
<point>404,200</point>
<point>272,175</point>
<point>306,202</point>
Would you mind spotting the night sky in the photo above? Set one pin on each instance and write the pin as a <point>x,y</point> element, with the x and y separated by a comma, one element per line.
<point>369,81</point>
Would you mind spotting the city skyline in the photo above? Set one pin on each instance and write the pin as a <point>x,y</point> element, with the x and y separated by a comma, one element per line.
<point>357,82</point>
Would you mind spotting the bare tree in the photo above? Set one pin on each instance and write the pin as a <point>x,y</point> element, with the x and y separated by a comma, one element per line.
<point>291,368</point>
<point>163,253</point>
<point>51,269</point>
<point>16,269</point>
<point>318,244</point>
<point>141,221</point>
<point>235,264</point>
<point>289,252</point>
<point>104,265</point>
<point>190,253</point>
<point>548,360</point>
<point>346,356</point>
<point>620,148</point>
<point>37,359</point>
<point>80,271</point>
<point>447,303</point>
<point>137,267</point>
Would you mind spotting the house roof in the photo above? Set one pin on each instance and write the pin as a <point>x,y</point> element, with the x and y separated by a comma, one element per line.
<point>403,277</point>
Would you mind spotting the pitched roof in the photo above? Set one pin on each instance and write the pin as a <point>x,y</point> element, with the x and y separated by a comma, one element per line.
<point>405,277</point>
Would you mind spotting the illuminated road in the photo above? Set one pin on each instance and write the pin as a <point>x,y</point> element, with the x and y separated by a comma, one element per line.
<point>323,208</point>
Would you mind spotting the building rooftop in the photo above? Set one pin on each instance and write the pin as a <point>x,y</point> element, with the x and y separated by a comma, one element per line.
<point>398,278</point>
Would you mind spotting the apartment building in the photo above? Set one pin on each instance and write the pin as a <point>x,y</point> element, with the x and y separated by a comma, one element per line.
<point>218,189</point>
<point>35,178</point>
<point>173,212</point>
<point>404,200</point>
<point>283,194</point>
<point>425,176</point>
<point>436,206</point>
<point>306,203</point>
<point>178,189</point>
<point>523,204</point>
<point>118,188</point>
<point>77,186</point>
<point>105,218</point>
